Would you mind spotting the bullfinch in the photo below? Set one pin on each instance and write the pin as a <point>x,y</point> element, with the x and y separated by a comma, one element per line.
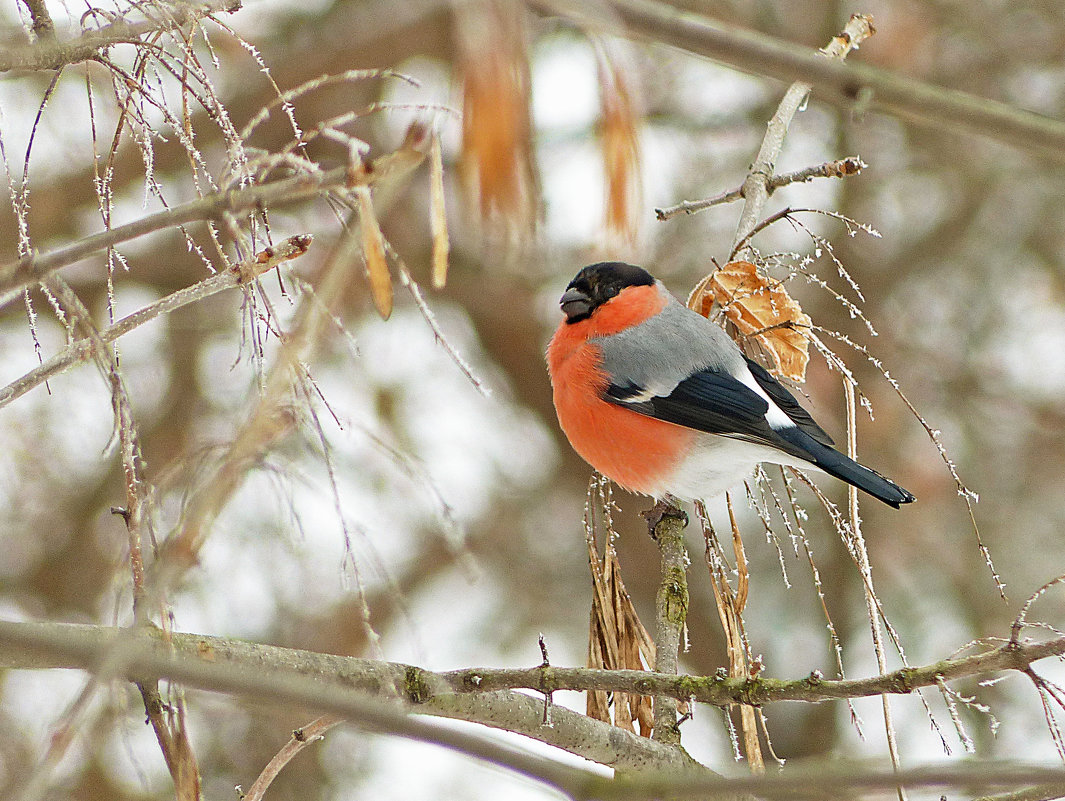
<point>663,402</point>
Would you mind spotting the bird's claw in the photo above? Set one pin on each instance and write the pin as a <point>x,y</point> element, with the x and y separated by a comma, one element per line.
<point>663,508</point>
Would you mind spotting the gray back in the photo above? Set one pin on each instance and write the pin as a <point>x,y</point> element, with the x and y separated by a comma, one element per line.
<point>659,353</point>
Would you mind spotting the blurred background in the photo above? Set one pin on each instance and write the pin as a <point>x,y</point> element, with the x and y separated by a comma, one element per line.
<point>454,515</point>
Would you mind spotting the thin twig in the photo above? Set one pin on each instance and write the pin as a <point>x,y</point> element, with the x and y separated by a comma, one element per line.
<point>81,349</point>
<point>23,272</point>
<point>545,666</point>
<point>168,723</point>
<point>272,418</point>
<point>756,184</point>
<point>41,21</point>
<point>861,553</point>
<point>301,738</point>
<point>852,165</point>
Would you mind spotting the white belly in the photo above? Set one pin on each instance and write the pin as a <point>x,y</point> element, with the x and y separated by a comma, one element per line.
<point>717,463</point>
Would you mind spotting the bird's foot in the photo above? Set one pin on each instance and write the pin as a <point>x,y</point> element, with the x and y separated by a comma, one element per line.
<point>663,508</point>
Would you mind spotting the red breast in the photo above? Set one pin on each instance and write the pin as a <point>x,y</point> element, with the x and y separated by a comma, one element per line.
<point>637,452</point>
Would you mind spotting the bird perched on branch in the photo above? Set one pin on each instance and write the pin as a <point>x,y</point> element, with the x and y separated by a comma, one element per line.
<point>662,401</point>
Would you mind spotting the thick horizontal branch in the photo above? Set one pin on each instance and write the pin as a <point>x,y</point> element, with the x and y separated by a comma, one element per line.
<point>376,677</point>
<point>758,691</point>
<point>845,83</point>
<point>356,689</point>
<point>48,53</point>
<point>361,689</point>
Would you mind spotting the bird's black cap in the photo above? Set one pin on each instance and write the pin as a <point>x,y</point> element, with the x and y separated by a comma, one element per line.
<point>596,284</point>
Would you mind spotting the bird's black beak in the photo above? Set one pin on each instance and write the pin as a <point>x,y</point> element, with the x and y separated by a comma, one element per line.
<point>576,305</point>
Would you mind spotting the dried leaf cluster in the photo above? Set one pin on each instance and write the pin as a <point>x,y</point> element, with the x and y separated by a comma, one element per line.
<point>759,308</point>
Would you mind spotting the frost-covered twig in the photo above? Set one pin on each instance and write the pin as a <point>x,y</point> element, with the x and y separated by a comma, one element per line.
<point>82,349</point>
<point>21,273</point>
<point>52,54</point>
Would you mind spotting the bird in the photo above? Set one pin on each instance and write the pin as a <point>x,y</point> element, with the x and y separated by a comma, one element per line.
<point>663,402</point>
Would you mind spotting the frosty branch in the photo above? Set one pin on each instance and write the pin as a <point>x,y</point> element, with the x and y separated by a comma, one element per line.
<point>49,53</point>
<point>82,349</point>
<point>21,273</point>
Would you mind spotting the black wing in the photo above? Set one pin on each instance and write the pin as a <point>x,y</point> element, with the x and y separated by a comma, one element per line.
<point>714,402</point>
<point>718,403</point>
<point>787,403</point>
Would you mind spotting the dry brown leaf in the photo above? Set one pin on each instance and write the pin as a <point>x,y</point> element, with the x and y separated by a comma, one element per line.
<point>761,309</point>
<point>621,152</point>
<point>392,168</point>
<point>373,250</point>
<point>597,705</point>
<point>743,578</point>
<point>617,640</point>
<point>437,213</point>
<point>730,604</point>
<point>496,163</point>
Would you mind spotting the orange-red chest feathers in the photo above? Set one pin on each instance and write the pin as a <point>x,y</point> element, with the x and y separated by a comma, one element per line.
<point>636,451</point>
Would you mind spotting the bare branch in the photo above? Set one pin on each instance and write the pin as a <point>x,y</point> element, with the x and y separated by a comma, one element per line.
<point>847,85</point>
<point>23,272</point>
<point>281,675</point>
<point>756,184</point>
<point>168,723</point>
<point>340,685</point>
<point>671,609</point>
<point>301,738</point>
<point>852,165</point>
<point>50,54</point>
<point>386,170</point>
<point>42,26</point>
<point>81,349</point>
<point>60,645</point>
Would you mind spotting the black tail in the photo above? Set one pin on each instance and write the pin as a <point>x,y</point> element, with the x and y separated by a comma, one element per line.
<point>846,469</point>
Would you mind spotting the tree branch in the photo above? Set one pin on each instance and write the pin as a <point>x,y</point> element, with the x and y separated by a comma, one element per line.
<point>363,691</point>
<point>41,21</point>
<point>82,349</point>
<point>841,168</point>
<point>50,54</point>
<point>666,524</point>
<point>61,645</point>
<point>846,85</point>
<point>387,169</point>
<point>756,184</point>
<point>341,684</point>
<point>301,738</point>
<point>19,274</point>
